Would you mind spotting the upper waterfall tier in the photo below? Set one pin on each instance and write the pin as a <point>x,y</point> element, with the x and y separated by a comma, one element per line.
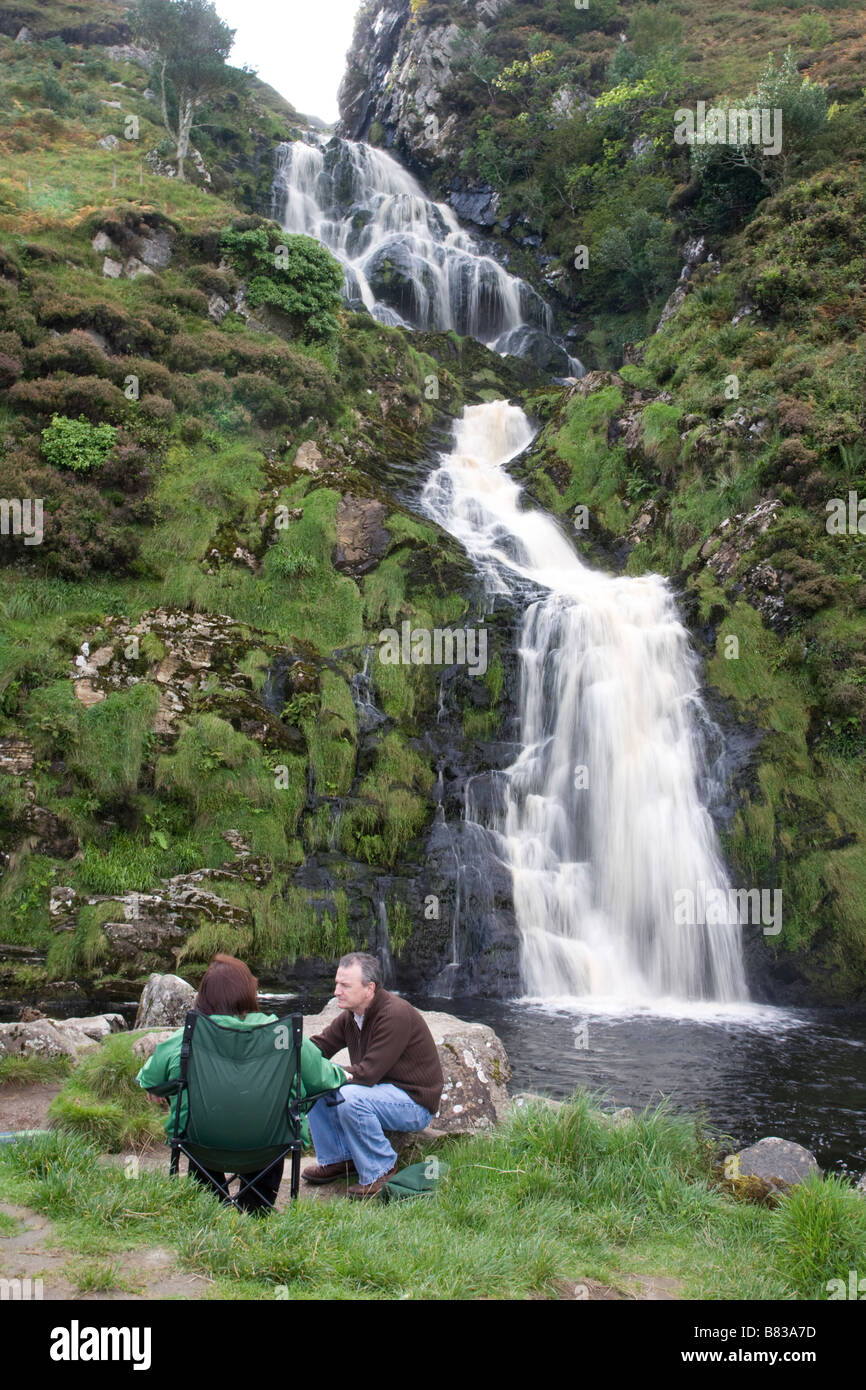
<point>406,259</point>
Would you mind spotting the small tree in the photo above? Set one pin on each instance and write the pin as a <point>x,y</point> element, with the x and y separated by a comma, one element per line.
<point>803,105</point>
<point>192,45</point>
<point>639,254</point>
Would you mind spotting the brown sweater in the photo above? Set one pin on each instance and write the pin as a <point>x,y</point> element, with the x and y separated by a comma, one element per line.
<point>395,1045</point>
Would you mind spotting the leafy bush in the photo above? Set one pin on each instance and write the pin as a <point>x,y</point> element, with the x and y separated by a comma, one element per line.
<point>639,255</point>
<point>803,105</point>
<point>127,334</point>
<point>213,281</point>
<point>156,410</point>
<point>813,30</point>
<point>193,301</point>
<point>10,369</point>
<point>295,274</point>
<point>74,352</point>
<point>77,444</point>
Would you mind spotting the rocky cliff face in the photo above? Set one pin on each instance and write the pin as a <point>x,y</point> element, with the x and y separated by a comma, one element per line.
<point>403,90</point>
<point>399,67</point>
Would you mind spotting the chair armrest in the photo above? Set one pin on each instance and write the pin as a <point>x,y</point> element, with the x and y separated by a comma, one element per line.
<point>164,1088</point>
<point>332,1097</point>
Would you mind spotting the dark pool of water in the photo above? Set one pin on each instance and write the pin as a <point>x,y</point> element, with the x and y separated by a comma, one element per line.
<point>797,1074</point>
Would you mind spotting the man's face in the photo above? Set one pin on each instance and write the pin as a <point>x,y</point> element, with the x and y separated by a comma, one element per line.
<point>350,990</point>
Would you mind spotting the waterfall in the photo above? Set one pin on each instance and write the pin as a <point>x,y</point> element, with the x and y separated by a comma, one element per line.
<point>383,945</point>
<point>600,818</point>
<point>406,259</point>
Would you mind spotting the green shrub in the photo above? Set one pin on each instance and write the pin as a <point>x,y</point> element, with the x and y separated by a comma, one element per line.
<point>269,403</point>
<point>813,30</point>
<point>295,274</point>
<point>77,444</point>
<point>156,411</point>
<point>74,352</point>
<point>84,531</point>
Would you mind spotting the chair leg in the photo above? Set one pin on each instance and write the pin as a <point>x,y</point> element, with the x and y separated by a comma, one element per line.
<point>296,1174</point>
<point>250,1186</point>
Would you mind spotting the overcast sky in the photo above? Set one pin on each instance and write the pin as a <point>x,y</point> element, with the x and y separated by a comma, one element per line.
<point>298,46</point>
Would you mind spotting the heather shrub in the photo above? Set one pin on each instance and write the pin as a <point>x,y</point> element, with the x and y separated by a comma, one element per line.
<point>83,531</point>
<point>93,397</point>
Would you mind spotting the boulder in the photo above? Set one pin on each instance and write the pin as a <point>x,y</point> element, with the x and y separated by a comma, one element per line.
<point>309,457</point>
<point>130,53</point>
<point>778,1163</point>
<point>16,756</point>
<point>361,537</point>
<point>400,278</point>
<point>165,1002</point>
<point>155,248</point>
<point>217,308</point>
<point>478,203</point>
<point>95,1026</point>
<point>57,1037</point>
<point>189,645</point>
<point>150,928</point>
<point>145,1045</point>
<point>474,1064</point>
<point>135,268</point>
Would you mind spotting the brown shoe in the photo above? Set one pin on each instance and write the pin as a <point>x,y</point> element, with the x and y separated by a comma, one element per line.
<point>328,1172</point>
<point>361,1190</point>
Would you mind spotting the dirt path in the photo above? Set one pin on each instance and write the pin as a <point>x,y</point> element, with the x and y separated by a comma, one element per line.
<point>26,1107</point>
<point>31,1252</point>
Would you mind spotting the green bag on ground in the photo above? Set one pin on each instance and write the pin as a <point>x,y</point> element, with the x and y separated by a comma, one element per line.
<point>418,1180</point>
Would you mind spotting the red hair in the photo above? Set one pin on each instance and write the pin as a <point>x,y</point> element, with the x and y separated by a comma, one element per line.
<point>228,987</point>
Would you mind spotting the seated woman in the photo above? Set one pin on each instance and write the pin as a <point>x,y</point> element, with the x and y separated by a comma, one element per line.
<point>228,994</point>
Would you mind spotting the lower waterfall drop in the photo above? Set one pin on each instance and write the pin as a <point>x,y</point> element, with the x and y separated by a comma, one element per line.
<point>600,818</point>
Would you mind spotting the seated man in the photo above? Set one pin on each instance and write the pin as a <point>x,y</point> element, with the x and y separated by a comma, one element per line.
<point>395,1075</point>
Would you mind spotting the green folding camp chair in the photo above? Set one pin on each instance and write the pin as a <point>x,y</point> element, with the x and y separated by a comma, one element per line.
<point>239,1100</point>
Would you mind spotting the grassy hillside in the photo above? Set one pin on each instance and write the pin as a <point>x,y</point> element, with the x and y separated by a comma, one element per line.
<point>172,493</point>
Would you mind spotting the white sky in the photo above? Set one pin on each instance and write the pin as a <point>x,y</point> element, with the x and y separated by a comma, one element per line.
<point>298,46</point>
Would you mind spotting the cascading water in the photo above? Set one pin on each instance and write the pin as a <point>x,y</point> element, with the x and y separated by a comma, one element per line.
<point>600,818</point>
<point>406,259</point>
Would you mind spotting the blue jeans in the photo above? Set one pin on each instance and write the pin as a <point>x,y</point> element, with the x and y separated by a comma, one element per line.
<point>355,1129</point>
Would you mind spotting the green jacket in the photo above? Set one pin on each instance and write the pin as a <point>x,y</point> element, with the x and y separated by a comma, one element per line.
<point>317,1074</point>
